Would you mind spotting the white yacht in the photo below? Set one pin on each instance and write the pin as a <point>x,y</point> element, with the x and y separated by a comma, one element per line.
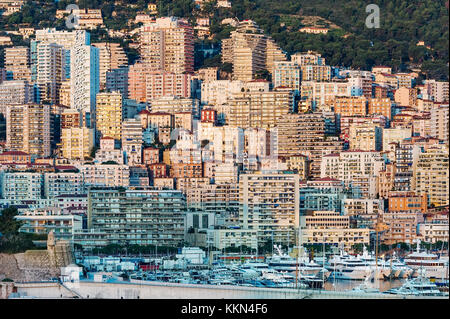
<point>360,267</point>
<point>286,263</point>
<point>399,268</point>
<point>420,286</point>
<point>351,269</point>
<point>432,264</point>
<point>381,269</point>
<point>365,288</point>
<point>258,266</point>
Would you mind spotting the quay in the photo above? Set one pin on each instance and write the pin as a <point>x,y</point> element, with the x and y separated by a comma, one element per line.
<point>160,290</point>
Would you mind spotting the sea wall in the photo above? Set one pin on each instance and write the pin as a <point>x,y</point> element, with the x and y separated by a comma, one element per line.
<point>36,265</point>
<point>99,290</point>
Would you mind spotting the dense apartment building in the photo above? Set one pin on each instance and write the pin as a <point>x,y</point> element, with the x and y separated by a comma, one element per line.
<point>439,122</point>
<point>108,152</point>
<point>44,220</point>
<point>380,106</point>
<point>50,71</point>
<point>21,186</point>
<point>167,44</point>
<point>17,62</point>
<point>108,175</point>
<point>85,78</point>
<point>287,74</point>
<point>436,91</point>
<point>67,39</point>
<point>321,94</point>
<point>318,73</point>
<point>402,217</point>
<point>217,93</point>
<point>250,51</point>
<point>363,212</point>
<point>117,80</point>
<point>309,135</point>
<point>358,169</point>
<point>269,204</point>
<point>15,92</point>
<point>431,175</point>
<point>361,85</point>
<point>175,104</point>
<point>329,227</point>
<point>365,137</point>
<point>132,141</point>
<point>137,216</point>
<point>109,115</point>
<point>350,106</point>
<point>259,109</point>
<point>63,183</point>
<point>406,97</point>
<point>325,194</point>
<point>308,58</point>
<point>111,57</point>
<point>162,83</point>
<point>28,129</point>
<point>77,142</point>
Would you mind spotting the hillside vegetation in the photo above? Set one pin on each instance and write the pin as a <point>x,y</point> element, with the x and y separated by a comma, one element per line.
<point>402,25</point>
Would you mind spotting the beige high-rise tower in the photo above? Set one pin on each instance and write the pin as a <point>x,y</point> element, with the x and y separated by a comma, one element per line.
<point>17,61</point>
<point>28,129</point>
<point>250,51</point>
<point>112,56</point>
<point>109,115</point>
<point>168,45</point>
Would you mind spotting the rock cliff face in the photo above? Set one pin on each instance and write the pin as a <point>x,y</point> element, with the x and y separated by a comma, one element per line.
<point>36,265</point>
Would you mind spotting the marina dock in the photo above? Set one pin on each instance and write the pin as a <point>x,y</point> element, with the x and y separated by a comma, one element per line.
<point>158,290</point>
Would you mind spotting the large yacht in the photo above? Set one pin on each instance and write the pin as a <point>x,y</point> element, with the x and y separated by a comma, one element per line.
<point>285,263</point>
<point>348,267</point>
<point>433,265</point>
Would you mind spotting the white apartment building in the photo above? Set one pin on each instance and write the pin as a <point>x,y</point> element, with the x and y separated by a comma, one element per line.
<point>15,92</point>
<point>220,91</point>
<point>439,123</point>
<point>132,141</point>
<point>56,184</point>
<point>224,238</point>
<point>105,174</point>
<point>270,204</point>
<point>21,186</point>
<point>347,166</point>
<point>49,71</point>
<point>85,78</point>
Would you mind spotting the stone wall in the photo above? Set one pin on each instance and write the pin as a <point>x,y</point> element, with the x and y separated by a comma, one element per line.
<point>36,265</point>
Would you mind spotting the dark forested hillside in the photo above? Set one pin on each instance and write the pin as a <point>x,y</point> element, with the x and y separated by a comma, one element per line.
<point>402,25</point>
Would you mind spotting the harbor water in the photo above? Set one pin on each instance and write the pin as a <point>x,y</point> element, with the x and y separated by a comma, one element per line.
<point>345,285</point>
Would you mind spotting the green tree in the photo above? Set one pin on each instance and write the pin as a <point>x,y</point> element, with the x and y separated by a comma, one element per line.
<point>8,224</point>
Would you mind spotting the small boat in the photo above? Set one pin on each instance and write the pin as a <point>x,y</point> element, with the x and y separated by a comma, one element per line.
<point>365,288</point>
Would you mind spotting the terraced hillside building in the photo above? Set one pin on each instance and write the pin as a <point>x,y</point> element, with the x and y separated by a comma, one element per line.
<point>250,51</point>
<point>309,134</point>
<point>167,44</point>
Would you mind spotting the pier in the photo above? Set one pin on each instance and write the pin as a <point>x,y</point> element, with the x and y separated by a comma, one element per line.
<point>159,290</point>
